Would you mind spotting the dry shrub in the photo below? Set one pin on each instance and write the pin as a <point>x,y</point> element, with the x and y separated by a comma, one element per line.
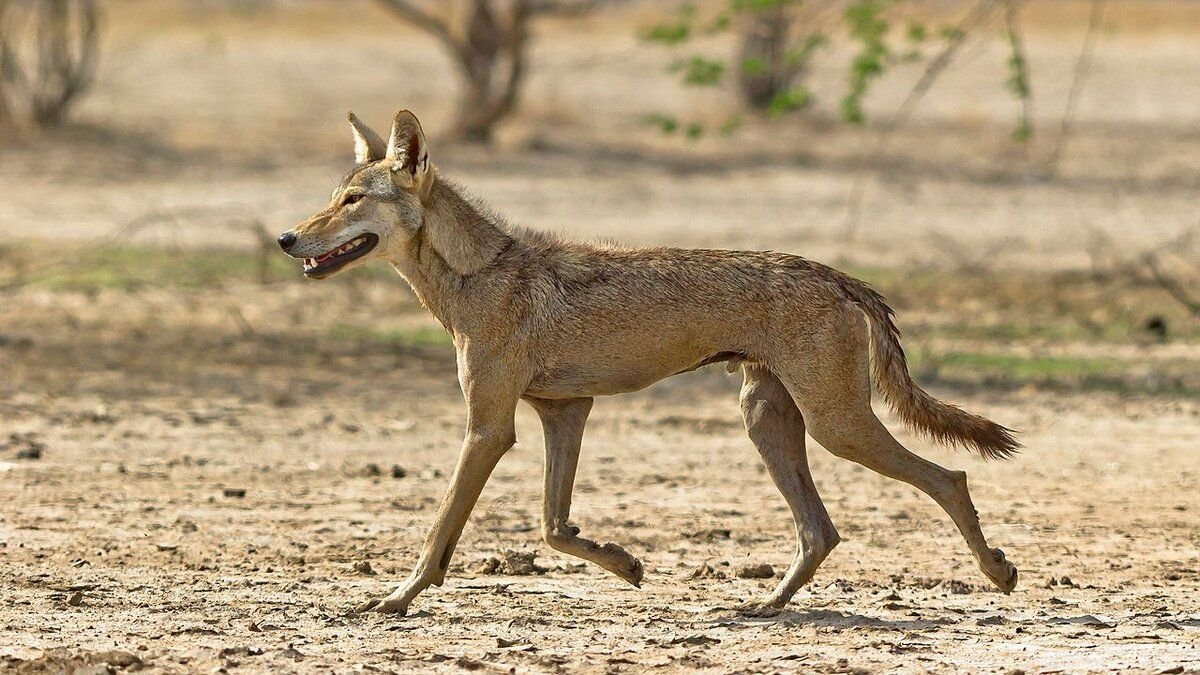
<point>48,55</point>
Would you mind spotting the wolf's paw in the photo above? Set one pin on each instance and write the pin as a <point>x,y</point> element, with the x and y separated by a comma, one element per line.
<point>618,561</point>
<point>760,609</point>
<point>1000,571</point>
<point>633,574</point>
<point>388,605</point>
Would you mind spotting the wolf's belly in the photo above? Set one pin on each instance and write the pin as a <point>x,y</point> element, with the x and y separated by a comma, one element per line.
<point>607,374</point>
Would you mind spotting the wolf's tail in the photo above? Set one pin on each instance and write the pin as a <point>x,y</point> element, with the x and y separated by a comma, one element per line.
<point>943,422</point>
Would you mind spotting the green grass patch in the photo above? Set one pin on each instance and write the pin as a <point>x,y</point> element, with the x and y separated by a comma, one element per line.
<point>1018,367</point>
<point>134,267</point>
<point>1011,331</point>
<point>1175,378</point>
<point>1001,307</point>
<point>1021,305</point>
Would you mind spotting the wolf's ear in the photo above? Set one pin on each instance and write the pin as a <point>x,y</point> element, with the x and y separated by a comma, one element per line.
<point>409,156</point>
<point>368,146</point>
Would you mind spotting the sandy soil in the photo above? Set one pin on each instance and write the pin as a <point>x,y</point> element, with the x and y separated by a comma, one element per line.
<point>130,538</point>
<point>210,478</point>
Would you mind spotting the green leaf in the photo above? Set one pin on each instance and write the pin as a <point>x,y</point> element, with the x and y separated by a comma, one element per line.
<point>699,71</point>
<point>1018,84</point>
<point>721,23</point>
<point>917,32</point>
<point>788,100</point>
<point>811,44</point>
<point>851,110</point>
<point>867,27</point>
<point>1023,132</point>
<point>730,125</point>
<point>665,123</point>
<point>949,33</point>
<point>759,6</point>
<point>754,66</point>
<point>674,31</point>
<point>668,33</point>
<point>1018,72</point>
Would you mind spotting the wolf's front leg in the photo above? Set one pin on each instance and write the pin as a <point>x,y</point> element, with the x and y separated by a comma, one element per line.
<point>482,449</point>
<point>562,425</point>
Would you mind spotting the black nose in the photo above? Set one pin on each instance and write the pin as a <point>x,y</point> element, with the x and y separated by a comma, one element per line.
<point>287,240</point>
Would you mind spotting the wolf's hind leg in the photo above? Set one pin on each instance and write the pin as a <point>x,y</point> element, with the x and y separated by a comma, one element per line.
<point>836,403</point>
<point>776,428</point>
<point>863,438</point>
<point>562,424</point>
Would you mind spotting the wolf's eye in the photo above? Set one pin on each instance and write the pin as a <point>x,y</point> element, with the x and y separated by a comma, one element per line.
<point>352,199</point>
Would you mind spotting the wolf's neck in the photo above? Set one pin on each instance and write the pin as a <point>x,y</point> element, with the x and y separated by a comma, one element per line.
<point>457,242</point>
<point>461,235</point>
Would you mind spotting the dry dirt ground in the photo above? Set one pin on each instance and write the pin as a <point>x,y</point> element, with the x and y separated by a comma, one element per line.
<point>199,471</point>
<point>218,493</point>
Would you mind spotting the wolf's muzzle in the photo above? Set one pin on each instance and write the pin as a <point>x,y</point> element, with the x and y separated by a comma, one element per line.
<point>286,241</point>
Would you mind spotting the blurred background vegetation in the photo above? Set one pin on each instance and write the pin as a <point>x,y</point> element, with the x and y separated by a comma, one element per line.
<point>1018,176</point>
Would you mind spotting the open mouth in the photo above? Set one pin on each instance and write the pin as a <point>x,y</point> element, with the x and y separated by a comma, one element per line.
<point>327,263</point>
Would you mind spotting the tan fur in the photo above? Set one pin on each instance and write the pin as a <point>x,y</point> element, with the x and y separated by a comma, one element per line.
<point>556,323</point>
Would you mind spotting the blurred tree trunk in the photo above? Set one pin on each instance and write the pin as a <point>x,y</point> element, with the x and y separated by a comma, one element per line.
<point>48,55</point>
<point>6,115</point>
<point>492,60</point>
<point>488,40</point>
<point>764,70</point>
<point>68,46</point>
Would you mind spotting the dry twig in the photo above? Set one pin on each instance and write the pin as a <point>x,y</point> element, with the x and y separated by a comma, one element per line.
<point>1083,65</point>
<point>978,14</point>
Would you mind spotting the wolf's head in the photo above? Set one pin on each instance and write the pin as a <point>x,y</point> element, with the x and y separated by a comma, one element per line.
<point>378,206</point>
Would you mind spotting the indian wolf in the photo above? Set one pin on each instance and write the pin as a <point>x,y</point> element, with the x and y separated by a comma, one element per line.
<point>555,323</point>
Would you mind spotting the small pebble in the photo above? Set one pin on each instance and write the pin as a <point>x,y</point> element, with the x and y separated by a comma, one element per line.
<point>759,571</point>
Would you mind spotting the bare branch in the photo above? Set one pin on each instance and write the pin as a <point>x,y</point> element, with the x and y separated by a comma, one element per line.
<point>489,43</point>
<point>422,19</point>
<point>1083,65</point>
<point>5,111</point>
<point>1021,86</point>
<point>1172,286</point>
<point>964,261</point>
<point>516,47</point>
<point>977,15</point>
<point>490,104</point>
<point>44,80</point>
